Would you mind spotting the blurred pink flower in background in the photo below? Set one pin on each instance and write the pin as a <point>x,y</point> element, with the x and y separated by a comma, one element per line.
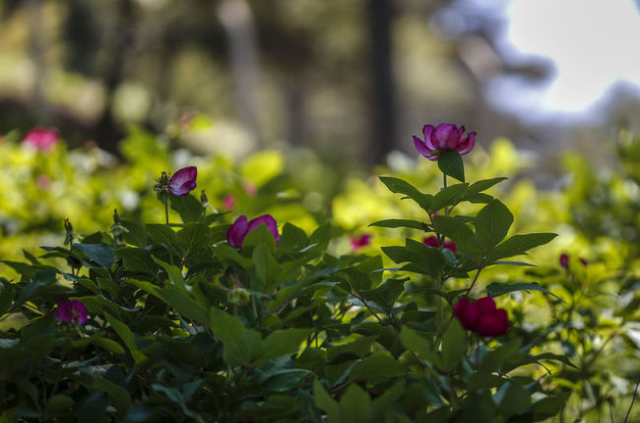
<point>228,202</point>
<point>40,138</point>
<point>358,242</point>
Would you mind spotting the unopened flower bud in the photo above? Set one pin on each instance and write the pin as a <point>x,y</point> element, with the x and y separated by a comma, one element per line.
<point>70,235</point>
<point>239,296</point>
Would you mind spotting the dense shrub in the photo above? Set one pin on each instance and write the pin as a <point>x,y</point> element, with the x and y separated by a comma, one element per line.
<point>186,317</point>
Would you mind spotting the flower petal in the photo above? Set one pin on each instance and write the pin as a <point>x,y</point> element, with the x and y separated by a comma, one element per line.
<point>427,132</point>
<point>422,147</point>
<point>183,181</point>
<point>467,144</point>
<point>237,231</point>
<point>441,137</point>
<point>265,219</point>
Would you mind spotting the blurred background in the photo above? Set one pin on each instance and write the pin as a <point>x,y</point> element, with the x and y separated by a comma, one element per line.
<point>352,79</point>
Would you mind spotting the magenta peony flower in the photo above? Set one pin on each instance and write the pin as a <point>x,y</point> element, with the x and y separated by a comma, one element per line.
<point>71,311</point>
<point>183,181</point>
<point>482,316</point>
<point>432,241</point>
<point>40,138</point>
<point>241,227</point>
<point>358,242</point>
<point>445,137</point>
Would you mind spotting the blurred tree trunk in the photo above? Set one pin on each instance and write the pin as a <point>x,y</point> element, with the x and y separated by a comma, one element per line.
<point>237,19</point>
<point>107,132</point>
<point>383,122</point>
<point>36,52</point>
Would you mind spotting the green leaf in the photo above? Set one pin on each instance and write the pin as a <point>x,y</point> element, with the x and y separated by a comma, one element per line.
<point>184,304</point>
<point>358,348</point>
<point>188,207</point>
<point>492,224</point>
<point>101,254</point>
<point>163,234</point>
<point>325,402</point>
<point>193,238</point>
<point>175,275</point>
<point>400,186</point>
<point>401,223</point>
<point>416,343</point>
<point>376,368</point>
<point>450,163</point>
<point>479,186</point>
<point>138,260</point>
<point>293,238</point>
<point>449,196</point>
<point>456,230</point>
<point>137,235</point>
<point>118,395</point>
<point>266,268</point>
<point>519,244</point>
<point>544,409</point>
<point>57,404</point>
<point>356,406</point>
<point>512,399</point>
<point>228,328</point>
<point>260,236</point>
<point>283,342</point>
<point>6,299</point>
<point>496,289</point>
<point>454,345</point>
<point>127,336</point>
<point>42,279</point>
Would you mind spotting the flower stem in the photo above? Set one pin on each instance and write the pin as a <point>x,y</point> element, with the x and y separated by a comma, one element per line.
<point>166,211</point>
<point>635,393</point>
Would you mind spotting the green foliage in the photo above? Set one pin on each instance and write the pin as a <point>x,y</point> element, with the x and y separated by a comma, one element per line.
<point>183,326</point>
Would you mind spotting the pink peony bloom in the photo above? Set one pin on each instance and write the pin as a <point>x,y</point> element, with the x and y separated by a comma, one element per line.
<point>241,227</point>
<point>445,137</point>
<point>432,241</point>
<point>482,316</point>
<point>71,311</point>
<point>358,242</point>
<point>40,138</point>
<point>183,181</point>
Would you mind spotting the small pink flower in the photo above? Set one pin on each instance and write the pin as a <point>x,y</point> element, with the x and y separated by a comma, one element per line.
<point>482,316</point>
<point>40,138</point>
<point>432,241</point>
<point>71,311</point>
<point>228,202</point>
<point>358,242</point>
<point>183,181</point>
<point>242,226</point>
<point>445,137</point>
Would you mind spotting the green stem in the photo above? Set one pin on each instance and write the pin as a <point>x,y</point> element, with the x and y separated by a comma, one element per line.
<point>166,212</point>
<point>635,394</point>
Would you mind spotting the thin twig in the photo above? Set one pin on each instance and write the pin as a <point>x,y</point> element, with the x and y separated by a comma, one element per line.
<point>635,393</point>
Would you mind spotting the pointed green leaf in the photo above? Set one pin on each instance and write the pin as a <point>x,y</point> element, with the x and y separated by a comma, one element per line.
<point>450,163</point>
<point>356,405</point>
<point>401,223</point>
<point>454,345</point>
<point>492,224</point>
<point>519,244</point>
<point>496,289</point>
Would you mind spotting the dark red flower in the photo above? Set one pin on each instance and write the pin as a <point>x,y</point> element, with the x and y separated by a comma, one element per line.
<point>445,137</point>
<point>482,316</point>
<point>432,241</point>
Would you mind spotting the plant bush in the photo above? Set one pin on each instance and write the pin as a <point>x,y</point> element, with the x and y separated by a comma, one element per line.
<point>190,318</point>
